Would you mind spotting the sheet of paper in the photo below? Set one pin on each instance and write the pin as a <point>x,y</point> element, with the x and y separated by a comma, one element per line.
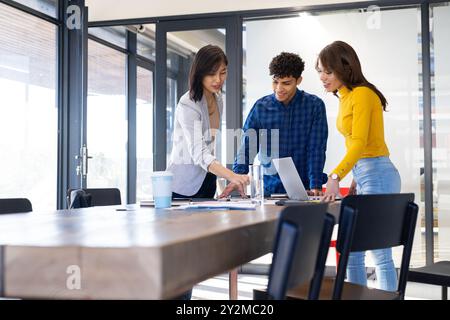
<point>220,205</point>
<point>151,203</point>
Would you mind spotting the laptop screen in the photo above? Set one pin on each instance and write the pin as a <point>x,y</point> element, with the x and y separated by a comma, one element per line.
<point>290,178</point>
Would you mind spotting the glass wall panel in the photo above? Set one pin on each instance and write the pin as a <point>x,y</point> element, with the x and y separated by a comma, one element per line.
<point>107,118</point>
<point>172,101</point>
<point>182,46</point>
<point>28,108</point>
<point>115,35</point>
<point>441,130</point>
<point>388,44</point>
<point>144,135</point>
<point>49,7</point>
<point>146,42</point>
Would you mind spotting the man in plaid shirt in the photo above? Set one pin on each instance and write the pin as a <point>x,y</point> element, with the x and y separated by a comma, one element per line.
<point>293,117</point>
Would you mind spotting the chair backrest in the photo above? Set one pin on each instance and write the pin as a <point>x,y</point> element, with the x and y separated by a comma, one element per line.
<point>300,250</point>
<point>15,205</point>
<point>78,198</point>
<point>92,197</point>
<point>369,222</point>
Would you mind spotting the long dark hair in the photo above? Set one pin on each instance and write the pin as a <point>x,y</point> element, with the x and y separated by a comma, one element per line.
<point>341,59</point>
<point>206,61</point>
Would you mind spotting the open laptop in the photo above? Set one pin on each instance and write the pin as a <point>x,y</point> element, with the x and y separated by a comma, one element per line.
<point>291,181</point>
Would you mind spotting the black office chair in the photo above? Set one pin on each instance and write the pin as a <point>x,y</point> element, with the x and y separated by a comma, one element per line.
<point>369,222</point>
<point>437,273</point>
<point>300,251</point>
<point>92,197</point>
<point>15,205</point>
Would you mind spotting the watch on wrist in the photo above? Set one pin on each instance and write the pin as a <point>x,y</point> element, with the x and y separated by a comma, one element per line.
<point>334,176</point>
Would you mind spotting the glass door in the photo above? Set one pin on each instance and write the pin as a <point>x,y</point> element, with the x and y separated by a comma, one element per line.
<point>144,131</point>
<point>176,45</point>
<point>181,49</point>
<point>106,119</point>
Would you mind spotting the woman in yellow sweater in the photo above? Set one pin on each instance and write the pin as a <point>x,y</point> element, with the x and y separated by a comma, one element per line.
<point>360,120</point>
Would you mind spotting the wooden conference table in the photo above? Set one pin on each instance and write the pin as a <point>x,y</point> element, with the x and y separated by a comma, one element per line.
<point>141,253</point>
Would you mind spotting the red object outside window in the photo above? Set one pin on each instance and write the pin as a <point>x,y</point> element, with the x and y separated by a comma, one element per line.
<point>344,192</point>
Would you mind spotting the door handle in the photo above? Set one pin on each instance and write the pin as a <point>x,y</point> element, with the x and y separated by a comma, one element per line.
<point>83,158</point>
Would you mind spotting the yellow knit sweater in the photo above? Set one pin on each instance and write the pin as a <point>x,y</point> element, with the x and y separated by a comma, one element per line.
<point>360,120</point>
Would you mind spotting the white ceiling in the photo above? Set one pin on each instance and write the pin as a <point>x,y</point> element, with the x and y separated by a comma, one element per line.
<point>119,9</point>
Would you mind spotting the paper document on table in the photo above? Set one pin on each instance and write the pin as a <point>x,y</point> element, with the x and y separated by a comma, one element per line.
<point>220,205</point>
<point>151,203</point>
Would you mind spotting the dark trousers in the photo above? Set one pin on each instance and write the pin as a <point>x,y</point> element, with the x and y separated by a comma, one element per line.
<point>207,190</point>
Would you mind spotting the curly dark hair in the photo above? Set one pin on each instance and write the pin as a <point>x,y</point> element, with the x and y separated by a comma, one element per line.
<point>287,64</point>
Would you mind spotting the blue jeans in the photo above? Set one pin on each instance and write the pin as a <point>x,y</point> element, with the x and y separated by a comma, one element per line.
<point>375,176</point>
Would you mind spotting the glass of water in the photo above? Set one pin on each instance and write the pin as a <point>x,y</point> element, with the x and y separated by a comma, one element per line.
<point>256,183</point>
<point>221,184</point>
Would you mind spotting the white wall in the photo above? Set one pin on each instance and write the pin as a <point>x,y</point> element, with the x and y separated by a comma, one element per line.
<point>389,56</point>
<point>390,59</point>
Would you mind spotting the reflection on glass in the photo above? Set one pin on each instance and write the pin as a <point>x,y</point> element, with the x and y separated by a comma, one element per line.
<point>146,46</point>
<point>28,110</point>
<point>49,7</point>
<point>182,46</point>
<point>114,35</point>
<point>144,133</point>
<point>172,101</point>
<point>441,133</point>
<point>397,78</point>
<point>106,118</point>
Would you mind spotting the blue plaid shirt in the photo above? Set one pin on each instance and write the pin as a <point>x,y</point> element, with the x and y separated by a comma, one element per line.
<point>302,135</point>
